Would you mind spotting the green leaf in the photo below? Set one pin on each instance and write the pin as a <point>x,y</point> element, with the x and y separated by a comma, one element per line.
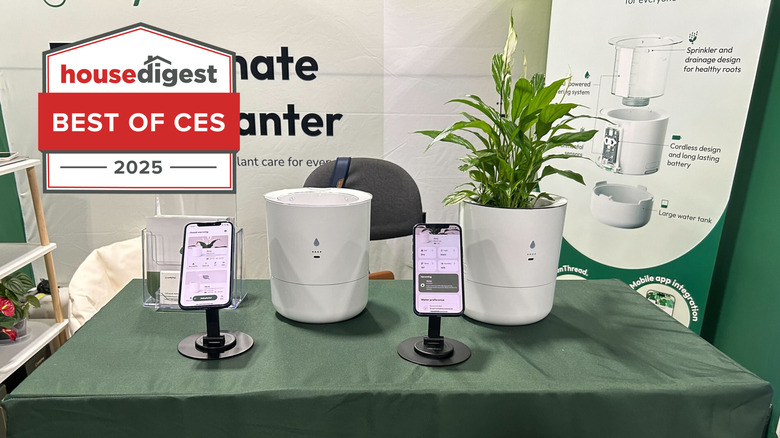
<point>450,138</point>
<point>545,95</point>
<point>555,111</point>
<point>537,82</point>
<point>549,170</point>
<point>463,125</point>
<point>497,70</point>
<point>480,106</point>
<point>572,137</point>
<point>428,132</point>
<point>33,300</point>
<point>15,286</point>
<point>521,96</point>
<point>459,196</point>
<point>562,157</point>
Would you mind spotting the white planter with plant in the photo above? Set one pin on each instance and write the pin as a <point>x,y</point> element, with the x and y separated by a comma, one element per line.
<point>512,230</point>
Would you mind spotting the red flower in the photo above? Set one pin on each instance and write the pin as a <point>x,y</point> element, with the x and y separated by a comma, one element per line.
<point>7,307</point>
<point>11,333</point>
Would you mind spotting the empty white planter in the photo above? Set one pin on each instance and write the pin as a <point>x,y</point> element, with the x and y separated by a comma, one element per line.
<point>318,252</point>
<point>511,261</point>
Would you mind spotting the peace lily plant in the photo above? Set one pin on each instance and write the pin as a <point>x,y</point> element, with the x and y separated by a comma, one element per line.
<point>516,139</point>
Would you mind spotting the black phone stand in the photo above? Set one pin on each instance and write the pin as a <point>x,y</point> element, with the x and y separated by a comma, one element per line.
<point>434,350</point>
<point>215,343</point>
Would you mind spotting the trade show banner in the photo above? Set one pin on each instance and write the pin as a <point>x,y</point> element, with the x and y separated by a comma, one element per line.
<point>669,82</point>
<point>317,79</point>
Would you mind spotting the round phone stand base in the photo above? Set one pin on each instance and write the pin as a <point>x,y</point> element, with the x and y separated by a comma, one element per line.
<point>235,343</point>
<point>445,351</point>
<point>453,353</point>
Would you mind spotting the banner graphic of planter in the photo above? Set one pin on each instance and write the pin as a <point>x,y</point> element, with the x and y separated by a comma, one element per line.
<point>670,82</point>
<point>139,109</point>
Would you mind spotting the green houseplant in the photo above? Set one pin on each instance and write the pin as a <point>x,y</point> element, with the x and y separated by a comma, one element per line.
<point>516,138</point>
<point>512,230</point>
<point>15,304</point>
<point>204,245</point>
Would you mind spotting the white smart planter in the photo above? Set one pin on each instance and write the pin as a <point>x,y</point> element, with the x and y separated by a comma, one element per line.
<point>511,261</point>
<point>621,205</point>
<point>638,134</point>
<point>318,252</point>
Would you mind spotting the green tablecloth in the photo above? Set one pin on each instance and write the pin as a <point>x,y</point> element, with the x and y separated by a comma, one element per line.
<point>605,363</point>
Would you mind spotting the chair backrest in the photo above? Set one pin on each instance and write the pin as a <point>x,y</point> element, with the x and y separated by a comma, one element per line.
<point>396,205</point>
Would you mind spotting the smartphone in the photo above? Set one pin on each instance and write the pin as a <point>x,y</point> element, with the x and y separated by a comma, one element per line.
<point>206,278</point>
<point>438,270</point>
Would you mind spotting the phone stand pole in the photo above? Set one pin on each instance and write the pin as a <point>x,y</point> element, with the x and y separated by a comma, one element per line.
<point>434,349</point>
<point>433,345</point>
<point>215,343</point>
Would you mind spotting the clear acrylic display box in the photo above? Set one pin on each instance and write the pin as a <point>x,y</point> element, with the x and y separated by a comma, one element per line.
<point>161,272</point>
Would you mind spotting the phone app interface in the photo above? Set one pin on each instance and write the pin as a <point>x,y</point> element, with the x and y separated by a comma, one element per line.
<point>207,257</point>
<point>438,270</point>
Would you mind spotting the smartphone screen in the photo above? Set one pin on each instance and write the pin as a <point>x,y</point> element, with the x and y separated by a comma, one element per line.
<point>438,270</point>
<point>661,299</point>
<point>206,278</point>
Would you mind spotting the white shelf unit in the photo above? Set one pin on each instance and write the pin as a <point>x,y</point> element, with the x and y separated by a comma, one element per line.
<point>14,355</point>
<point>14,256</point>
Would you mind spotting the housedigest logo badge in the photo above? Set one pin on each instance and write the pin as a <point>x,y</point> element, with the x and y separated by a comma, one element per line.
<point>139,109</point>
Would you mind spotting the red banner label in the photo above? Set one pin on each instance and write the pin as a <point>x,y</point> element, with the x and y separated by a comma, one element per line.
<point>138,122</point>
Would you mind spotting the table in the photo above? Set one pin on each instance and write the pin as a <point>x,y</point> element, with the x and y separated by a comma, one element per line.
<point>604,363</point>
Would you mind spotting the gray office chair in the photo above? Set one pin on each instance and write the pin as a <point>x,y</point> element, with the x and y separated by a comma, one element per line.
<point>396,205</point>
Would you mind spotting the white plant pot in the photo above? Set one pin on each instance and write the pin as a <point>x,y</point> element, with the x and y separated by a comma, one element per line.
<point>511,261</point>
<point>318,252</point>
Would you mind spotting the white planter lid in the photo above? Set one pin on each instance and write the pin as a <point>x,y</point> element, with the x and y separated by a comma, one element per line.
<point>318,197</point>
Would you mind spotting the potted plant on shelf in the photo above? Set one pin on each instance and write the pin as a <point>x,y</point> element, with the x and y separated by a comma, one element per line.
<point>14,305</point>
<point>512,230</point>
